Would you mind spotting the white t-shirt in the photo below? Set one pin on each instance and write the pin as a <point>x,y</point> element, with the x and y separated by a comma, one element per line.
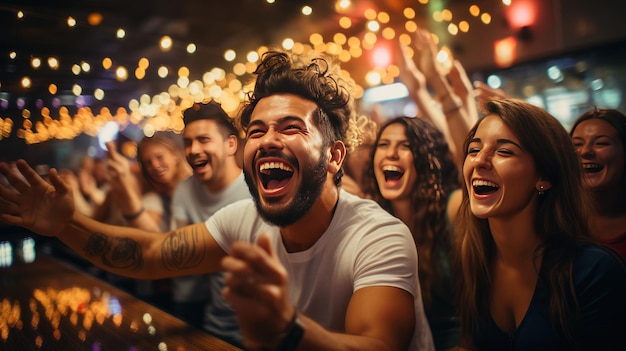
<point>363,246</point>
<point>193,203</point>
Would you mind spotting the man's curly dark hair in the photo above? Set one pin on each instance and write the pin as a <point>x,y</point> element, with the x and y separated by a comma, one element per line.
<point>312,77</point>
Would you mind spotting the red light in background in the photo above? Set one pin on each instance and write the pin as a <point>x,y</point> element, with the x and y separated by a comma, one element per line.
<point>522,13</point>
<point>381,57</point>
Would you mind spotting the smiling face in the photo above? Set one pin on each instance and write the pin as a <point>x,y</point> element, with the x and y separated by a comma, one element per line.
<point>393,163</point>
<point>160,163</point>
<point>601,153</point>
<point>500,175</point>
<point>206,150</point>
<point>285,161</point>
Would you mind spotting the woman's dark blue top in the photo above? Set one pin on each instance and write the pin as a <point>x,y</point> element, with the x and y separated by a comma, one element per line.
<point>600,285</point>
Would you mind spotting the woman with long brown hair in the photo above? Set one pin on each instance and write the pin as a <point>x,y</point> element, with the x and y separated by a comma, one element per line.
<point>532,277</point>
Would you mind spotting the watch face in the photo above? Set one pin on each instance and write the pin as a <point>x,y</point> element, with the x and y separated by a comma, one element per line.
<point>293,335</point>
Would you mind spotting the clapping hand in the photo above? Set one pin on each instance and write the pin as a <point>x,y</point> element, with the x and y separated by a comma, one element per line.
<point>256,287</point>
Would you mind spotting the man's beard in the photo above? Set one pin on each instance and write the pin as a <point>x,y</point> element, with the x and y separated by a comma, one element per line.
<point>313,178</point>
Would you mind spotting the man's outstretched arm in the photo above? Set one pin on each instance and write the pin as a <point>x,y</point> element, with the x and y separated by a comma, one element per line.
<point>47,208</point>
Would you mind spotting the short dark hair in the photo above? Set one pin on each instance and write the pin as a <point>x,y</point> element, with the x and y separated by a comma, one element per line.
<point>212,111</point>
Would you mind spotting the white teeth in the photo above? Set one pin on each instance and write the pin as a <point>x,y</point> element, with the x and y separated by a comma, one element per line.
<point>591,165</point>
<point>267,166</point>
<point>480,182</point>
<point>391,168</point>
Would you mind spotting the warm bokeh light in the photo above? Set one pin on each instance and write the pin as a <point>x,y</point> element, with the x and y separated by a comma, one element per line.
<point>230,55</point>
<point>474,10</point>
<point>26,82</point>
<point>107,63</point>
<point>53,63</point>
<point>183,72</point>
<point>505,51</point>
<point>121,73</point>
<point>98,94</point>
<point>453,29</point>
<point>252,56</point>
<point>408,13</point>
<point>410,26</point>
<point>35,62</point>
<point>140,73</point>
<point>345,22</point>
<point>342,5</point>
<point>373,26</point>
<point>464,26</point>
<point>383,17</point>
<point>77,89</point>
<point>94,18</point>
<point>360,32</point>
<point>166,43</point>
<point>485,18</point>
<point>521,13</point>
<point>143,63</point>
<point>162,72</point>
<point>381,57</point>
<point>389,33</point>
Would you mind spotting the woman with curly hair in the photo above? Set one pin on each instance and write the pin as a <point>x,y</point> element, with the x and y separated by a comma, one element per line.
<point>414,177</point>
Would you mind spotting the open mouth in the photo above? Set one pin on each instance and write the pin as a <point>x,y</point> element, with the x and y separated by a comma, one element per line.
<point>592,167</point>
<point>484,187</point>
<point>275,175</point>
<point>199,164</point>
<point>392,173</point>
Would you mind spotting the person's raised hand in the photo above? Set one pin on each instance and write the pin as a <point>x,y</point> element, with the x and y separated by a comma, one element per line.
<point>256,288</point>
<point>44,207</point>
<point>463,88</point>
<point>426,54</point>
<point>410,74</point>
<point>118,167</point>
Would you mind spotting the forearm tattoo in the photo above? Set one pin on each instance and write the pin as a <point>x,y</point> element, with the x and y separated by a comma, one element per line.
<point>122,253</point>
<point>183,249</point>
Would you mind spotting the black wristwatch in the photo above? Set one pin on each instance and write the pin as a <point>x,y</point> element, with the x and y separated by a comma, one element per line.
<point>293,334</point>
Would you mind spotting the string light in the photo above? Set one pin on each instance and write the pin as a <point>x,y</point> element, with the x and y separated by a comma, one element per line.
<point>227,88</point>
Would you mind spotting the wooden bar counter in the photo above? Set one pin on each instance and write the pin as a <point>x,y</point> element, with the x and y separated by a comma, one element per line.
<point>48,304</point>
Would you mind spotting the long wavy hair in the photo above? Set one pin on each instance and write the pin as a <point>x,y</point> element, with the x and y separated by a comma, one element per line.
<point>437,177</point>
<point>560,218</point>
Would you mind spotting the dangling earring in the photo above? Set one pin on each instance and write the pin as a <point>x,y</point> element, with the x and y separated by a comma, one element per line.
<point>541,190</point>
